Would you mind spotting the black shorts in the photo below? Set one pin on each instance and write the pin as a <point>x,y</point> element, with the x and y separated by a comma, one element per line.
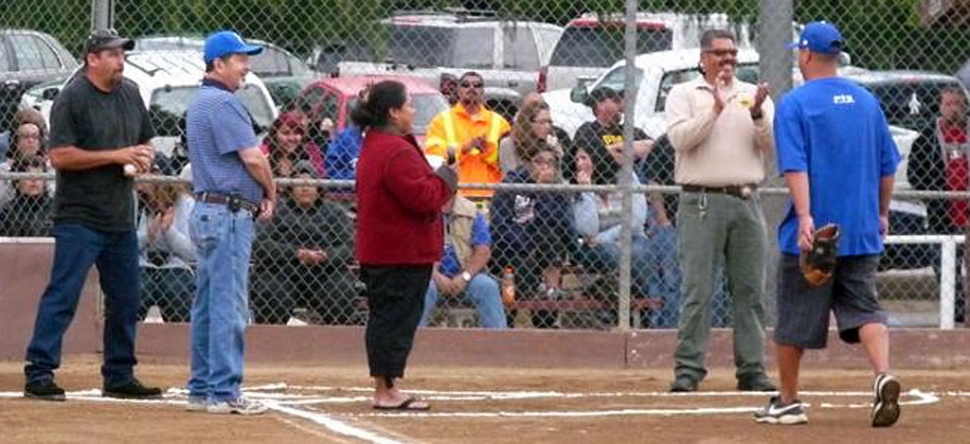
<point>803,312</point>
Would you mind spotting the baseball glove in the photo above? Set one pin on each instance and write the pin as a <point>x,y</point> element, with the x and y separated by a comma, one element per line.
<point>818,263</point>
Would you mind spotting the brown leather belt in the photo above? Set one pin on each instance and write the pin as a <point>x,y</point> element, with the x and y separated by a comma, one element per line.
<point>235,203</point>
<point>739,191</point>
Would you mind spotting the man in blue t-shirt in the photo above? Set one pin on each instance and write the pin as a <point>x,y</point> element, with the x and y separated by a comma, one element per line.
<point>463,269</point>
<point>233,185</point>
<point>838,159</point>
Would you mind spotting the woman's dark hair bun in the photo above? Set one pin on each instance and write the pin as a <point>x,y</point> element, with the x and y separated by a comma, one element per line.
<point>375,109</point>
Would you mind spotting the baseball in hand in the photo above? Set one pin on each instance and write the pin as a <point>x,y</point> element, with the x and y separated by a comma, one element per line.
<point>130,170</point>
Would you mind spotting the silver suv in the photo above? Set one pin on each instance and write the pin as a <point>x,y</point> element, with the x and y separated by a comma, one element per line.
<point>28,58</point>
<point>508,54</point>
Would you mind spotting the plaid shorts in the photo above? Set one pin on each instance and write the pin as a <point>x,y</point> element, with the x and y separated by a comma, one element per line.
<point>803,311</point>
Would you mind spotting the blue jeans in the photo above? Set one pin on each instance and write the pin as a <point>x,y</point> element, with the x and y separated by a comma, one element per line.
<point>223,244</point>
<point>482,291</point>
<point>76,249</point>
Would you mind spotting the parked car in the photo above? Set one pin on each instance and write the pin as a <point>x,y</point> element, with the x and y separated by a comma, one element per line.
<point>334,97</point>
<point>658,72</point>
<point>28,58</point>
<point>507,54</point>
<point>592,43</point>
<point>283,73</point>
<point>910,100</point>
<point>167,80</point>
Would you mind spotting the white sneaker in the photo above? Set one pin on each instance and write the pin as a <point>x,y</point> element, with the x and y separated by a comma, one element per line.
<point>154,316</point>
<point>239,406</point>
<point>196,404</point>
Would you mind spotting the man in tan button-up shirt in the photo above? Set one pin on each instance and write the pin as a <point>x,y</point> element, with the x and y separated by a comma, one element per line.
<point>720,129</point>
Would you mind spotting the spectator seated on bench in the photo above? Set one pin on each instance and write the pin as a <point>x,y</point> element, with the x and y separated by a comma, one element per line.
<point>531,229</point>
<point>462,272</point>
<point>303,258</point>
<point>598,219</point>
<point>165,249</point>
<point>29,214</point>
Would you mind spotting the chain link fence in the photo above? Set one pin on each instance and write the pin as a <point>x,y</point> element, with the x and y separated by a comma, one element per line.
<point>555,252</point>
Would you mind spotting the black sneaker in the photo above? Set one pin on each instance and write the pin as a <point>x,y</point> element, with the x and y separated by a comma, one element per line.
<point>132,389</point>
<point>682,384</point>
<point>885,408</point>
<point>785,414</point>
<point>757,382</point>
<point>46,390</point>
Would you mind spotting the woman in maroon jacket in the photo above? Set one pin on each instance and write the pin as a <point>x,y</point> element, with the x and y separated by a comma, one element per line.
<point>399,233</point>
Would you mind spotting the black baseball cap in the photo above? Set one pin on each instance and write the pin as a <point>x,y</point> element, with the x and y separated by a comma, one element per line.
<point>106,39</point>
<point>602,93</point>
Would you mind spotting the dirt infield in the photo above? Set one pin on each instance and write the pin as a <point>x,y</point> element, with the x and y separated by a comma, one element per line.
<point>482,405</point>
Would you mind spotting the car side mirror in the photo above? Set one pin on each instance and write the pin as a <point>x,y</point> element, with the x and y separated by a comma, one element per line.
<point>579,94</point>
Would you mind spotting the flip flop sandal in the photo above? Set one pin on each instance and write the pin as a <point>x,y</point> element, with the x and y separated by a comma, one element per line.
<point>407,404</point>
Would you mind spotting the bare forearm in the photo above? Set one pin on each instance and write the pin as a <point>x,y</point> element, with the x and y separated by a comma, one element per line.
<point>798,187</point>
<point>886,185</point>
<point>73,158</point>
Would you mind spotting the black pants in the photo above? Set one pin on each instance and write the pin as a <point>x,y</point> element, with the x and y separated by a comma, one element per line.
<point>395,298</point>
<point>329,294</point>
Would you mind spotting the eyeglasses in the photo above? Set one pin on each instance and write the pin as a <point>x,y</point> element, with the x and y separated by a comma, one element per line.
<point>28,136</point>
<point>477,85</point>
<point>721,52</point>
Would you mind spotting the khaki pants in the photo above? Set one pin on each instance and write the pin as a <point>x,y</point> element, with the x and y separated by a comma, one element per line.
<point>711,226</point>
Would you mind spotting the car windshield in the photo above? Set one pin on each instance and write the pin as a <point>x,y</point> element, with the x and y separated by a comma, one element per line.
<point>909,103</point>
<point>169,104</point>
<point>603,46</point>
<point>426,106</point>
<point>426,46</point>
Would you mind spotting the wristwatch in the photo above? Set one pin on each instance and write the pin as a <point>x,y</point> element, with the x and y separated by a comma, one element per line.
<point>466,276</point>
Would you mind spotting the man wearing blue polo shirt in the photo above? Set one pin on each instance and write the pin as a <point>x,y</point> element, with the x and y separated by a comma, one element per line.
<point>233,185</point>
<point>838,159</point>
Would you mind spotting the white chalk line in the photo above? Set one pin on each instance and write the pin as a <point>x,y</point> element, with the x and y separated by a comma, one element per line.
<point>289,403</point>
<point>177,396</point>
<point>921,399</point>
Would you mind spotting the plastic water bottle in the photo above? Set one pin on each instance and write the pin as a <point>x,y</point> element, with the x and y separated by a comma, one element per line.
<point>508,286</point>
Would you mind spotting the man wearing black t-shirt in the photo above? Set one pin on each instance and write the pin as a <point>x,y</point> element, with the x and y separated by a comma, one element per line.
<point>603,138</point>
<point>99,126</point>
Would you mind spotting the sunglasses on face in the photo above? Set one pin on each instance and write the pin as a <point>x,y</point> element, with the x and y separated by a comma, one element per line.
<point>476,85</point>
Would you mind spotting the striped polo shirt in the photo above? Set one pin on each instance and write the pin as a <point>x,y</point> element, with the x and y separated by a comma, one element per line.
<point>217,127</point>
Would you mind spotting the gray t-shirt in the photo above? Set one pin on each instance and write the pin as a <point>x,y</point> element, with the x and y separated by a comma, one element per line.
<point>88,118</point>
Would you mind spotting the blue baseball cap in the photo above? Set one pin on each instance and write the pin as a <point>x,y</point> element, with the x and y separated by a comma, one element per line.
<point>223,43</point>
<point>821,37</point>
